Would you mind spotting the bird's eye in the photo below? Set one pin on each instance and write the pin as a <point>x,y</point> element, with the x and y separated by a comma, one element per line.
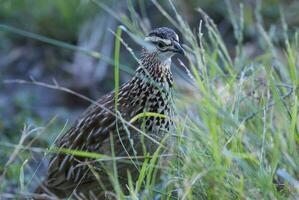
<point>160,45</point>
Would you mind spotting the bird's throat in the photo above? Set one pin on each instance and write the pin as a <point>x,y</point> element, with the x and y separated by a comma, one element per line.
<point>155,63</point>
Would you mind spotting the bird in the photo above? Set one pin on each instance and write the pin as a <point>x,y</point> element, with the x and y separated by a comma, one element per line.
<point>105,126</point>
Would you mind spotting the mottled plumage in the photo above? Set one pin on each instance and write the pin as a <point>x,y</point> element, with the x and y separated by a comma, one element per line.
<point>148,91</point>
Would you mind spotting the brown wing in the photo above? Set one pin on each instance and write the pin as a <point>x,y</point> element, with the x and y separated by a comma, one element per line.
<point>89,133</point>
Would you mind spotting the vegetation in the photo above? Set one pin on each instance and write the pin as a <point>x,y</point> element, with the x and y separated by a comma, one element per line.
<point>236,129</point>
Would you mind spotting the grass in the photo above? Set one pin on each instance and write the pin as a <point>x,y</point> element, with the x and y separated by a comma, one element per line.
<point>237,134</point>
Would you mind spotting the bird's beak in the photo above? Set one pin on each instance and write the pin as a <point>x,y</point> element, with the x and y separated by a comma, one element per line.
<point>178,48</point>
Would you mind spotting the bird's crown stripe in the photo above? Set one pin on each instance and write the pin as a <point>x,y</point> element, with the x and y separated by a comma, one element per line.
<point>158,39</point>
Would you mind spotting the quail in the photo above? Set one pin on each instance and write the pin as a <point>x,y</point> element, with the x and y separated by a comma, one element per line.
<point>101,125</point>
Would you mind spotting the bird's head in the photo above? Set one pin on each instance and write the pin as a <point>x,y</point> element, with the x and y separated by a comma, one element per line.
<point>164,42</point>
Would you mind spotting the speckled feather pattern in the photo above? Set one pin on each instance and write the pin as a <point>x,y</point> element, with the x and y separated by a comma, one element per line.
<point>148,91</point>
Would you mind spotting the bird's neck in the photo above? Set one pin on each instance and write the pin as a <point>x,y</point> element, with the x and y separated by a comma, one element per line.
<point>153,72</point>
<point>155,65</point>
